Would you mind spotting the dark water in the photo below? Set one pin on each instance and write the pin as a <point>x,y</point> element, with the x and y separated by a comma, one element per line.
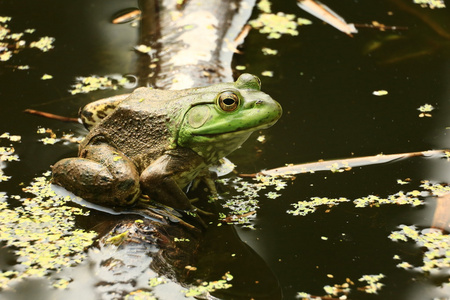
<point>324,80</point>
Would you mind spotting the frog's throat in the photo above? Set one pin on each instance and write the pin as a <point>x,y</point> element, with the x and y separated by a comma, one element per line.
<point>213,147</point>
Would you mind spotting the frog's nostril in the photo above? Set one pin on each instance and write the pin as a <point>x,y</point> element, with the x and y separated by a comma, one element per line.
<point>259,102</point>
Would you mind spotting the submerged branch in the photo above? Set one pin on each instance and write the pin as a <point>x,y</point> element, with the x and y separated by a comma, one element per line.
<point>441,217</point>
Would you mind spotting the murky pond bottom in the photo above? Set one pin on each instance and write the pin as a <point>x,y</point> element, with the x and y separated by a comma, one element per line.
<point>368,234</point>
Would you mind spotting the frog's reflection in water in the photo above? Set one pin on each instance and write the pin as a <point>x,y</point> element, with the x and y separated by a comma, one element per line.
<point>136,254</point>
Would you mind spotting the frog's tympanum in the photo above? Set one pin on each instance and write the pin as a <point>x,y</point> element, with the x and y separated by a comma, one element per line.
<point>155,142</point>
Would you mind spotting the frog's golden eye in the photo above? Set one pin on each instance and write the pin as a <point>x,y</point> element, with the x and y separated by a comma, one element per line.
<point>228,101</point>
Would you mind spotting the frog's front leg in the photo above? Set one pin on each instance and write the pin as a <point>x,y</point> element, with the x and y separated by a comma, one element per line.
<point>164,179</point>
<point>100,175</point>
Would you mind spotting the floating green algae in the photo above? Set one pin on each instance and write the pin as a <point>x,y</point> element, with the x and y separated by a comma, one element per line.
<point>93,83</point>
<point>303,208</point>
<point>372,286</point>
<point>52,138</point>
<point>7,154</point>
<point>431,3</point>
<point>243,206</point>
<point>436,245</point>
<point>12,43</point>
<point>40,231</point>
<point>208,287</point>
<point>436,189</point>
<point>275,25</point>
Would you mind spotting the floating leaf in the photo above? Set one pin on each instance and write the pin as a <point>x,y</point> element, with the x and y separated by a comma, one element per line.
<point>431,3</point>
<point>380,93</point>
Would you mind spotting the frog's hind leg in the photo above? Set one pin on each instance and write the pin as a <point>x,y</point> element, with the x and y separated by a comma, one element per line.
<point>100,175</point>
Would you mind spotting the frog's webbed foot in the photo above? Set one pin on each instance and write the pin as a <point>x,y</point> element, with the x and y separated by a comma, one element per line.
<point>174,215</point>
<point>209,179</point>
<point>150,208</point>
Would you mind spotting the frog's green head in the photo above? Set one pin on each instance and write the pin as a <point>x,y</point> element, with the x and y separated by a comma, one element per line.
<point>223,116</point>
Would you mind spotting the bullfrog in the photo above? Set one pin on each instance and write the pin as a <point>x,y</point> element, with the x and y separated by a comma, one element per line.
<point>156,142</point>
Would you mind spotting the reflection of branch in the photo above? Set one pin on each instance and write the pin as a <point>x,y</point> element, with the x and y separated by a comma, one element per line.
<point>344,164</point>
<point>230,219</point>
<point>441,217</point>
<point>149,33</point>
<point>427,19</point>
<point>381,27</point>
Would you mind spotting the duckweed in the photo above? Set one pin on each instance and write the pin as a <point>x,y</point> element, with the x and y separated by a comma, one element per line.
<point>403,182</point>
<point>372,286</point>
<point>44,44</point>
<point>12,138</point>
<point>436,189</point>
<point>46,77</point>
<point>267,73</point>
<point>244,206</point>
<point>181,240</point>
<point>208,287</point>
<point>436,255</point>
<point>7,155</point>
<point>431,3</point>
<point>261,138</point>
<point>337,289</point>
<point>12,43</point>
<point>425,110</point>
<point>302,208</point>
<point>41,233</point>
<point>380,93</point>
<point>52,137</point>
<point>88,84</point>
<point>5,19</point>
<point>143,49</point>
<point>275,25</point>
<point>268,51</point>
<point>265,6</point>
<point>156,281</point>
<point>400,198</point>
<point>140,295</point>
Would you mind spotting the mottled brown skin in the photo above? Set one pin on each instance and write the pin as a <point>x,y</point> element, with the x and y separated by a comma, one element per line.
<point>129,153</point>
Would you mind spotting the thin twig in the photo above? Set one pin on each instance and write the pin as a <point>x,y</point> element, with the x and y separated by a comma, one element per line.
<point>51,116</point>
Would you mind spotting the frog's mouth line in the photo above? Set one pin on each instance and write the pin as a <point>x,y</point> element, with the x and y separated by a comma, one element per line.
<point>239,131</point>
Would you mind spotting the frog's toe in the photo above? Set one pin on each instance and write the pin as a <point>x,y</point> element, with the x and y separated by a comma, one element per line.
<point>132,197</point>
<point>201,211</point>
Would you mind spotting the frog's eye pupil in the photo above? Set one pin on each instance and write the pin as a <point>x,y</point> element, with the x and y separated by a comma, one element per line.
<point>228,101</point>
